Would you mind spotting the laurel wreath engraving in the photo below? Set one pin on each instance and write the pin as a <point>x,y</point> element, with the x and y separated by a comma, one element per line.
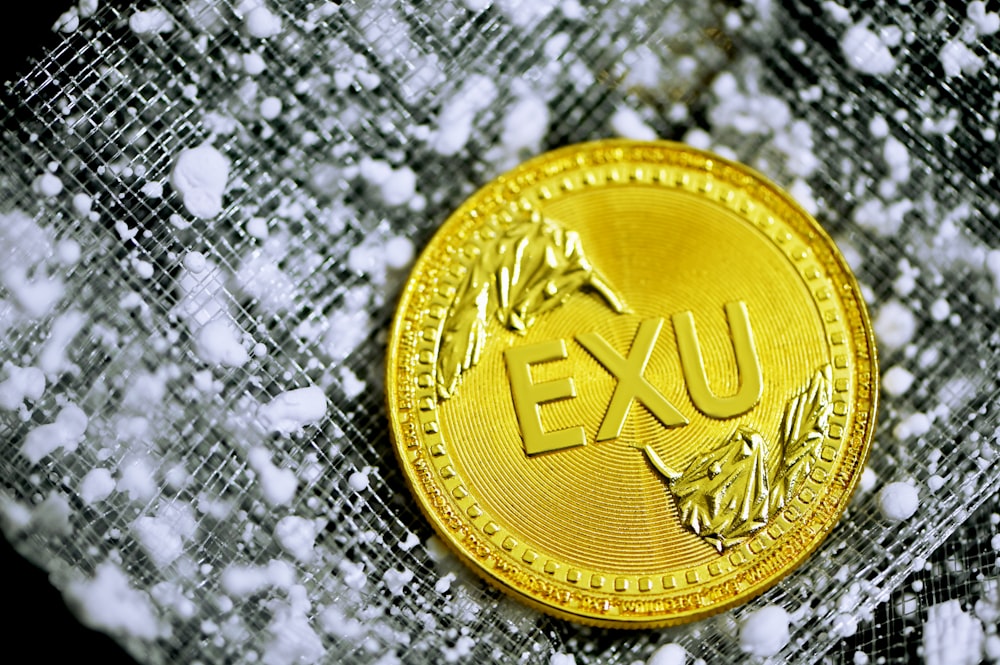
<point>730,492</point>
<point>530,267</point>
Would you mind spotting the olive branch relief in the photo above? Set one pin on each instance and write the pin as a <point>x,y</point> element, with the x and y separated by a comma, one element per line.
<point>732,491</point>
<point>531,266</point>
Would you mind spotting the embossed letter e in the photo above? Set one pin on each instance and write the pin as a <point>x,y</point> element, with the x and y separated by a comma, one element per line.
<point>528,396</point>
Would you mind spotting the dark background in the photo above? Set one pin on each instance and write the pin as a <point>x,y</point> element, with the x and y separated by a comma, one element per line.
<point>28,36</point>
<point>35,617</point>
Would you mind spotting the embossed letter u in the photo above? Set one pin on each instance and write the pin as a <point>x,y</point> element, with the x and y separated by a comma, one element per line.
<point>747,364</point>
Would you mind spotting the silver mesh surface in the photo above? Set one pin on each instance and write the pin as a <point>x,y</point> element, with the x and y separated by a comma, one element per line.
<point>188,513</point>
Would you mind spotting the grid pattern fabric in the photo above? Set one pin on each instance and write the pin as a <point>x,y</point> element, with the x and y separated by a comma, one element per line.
<point>351,131</point>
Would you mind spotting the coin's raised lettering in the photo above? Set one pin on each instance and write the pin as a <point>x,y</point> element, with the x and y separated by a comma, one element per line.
<point>528,396</point>
<point>747,363</point>
<point>631,385</point>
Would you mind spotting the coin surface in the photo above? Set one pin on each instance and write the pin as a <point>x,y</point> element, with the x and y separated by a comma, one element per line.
<point>631,383</point>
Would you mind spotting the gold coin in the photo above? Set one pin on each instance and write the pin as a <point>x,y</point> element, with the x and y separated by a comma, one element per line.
<point>632,384</point>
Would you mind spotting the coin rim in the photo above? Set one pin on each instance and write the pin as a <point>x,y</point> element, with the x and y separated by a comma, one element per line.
<point>692,614</point>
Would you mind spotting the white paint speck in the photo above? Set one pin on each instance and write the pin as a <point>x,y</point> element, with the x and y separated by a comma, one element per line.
<point>65,433</point>
<point>398,252</point>
<point>82,203</point>
<point>897,157</point>
<point>352,574</point>
<point>239,580</point>
<point>270,108</point>
<point>894,325</point>
<point>886,220</point>
<point>836,12</point>
<point>253,64</point>
<point>986,23</point>
<point>68,21</point>
<point>96,486</point>
<point>219,343</point>
<point>53,359</point>
<point>52,516</point>
<point>396,186</point>
<point>764,632</point>
<point>25,248</point>
<point>625,122</point>
<point>136,478</point>
<point>22,383</point>
<point>293,640</point>
<point>297,536</point>
<point>698,138</point>
<point>957,59</point>
<point>108,603</point>
<point>455,120</point>
<point>161,542</point>
<point>897,381</point>
<point>951,636</point>
<point>170,595</point>
<point>257,227</point>
<point>868,480</point>
<point>358,481</point>
<point>15,517</point>
<point>348,328</point>
<point>803,194</point>
<point>866,51</point>
<point>668,654</point>
<point>151,22</point>
<point>68,252</point>
<point>444,583</point>
<point>879,127</point>
<point>524,127</point>
<point>262,23</point>
<point>277,485</point>
<point>991,647</point>
<point>409,542</point>
<point>914,425</point>
<point>399,187</point>
<point>335,622</point>
<point>844,625</point>
<point>194,261</point>
<point>48,185</point>
<point>87,8</point>
<point>350,383</point>
<point>292,410</point>
<point>940,310</point>
<point>395,580</point>
<point>898,501</point>
<point>144,269</point>
<point>200,175</point>
<point>153,190</point>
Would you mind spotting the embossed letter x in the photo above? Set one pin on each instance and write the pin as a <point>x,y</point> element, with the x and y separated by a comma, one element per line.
<point>631,383</point>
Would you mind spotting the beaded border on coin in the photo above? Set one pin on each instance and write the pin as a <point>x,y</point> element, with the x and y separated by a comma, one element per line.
<point>591,596</point>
